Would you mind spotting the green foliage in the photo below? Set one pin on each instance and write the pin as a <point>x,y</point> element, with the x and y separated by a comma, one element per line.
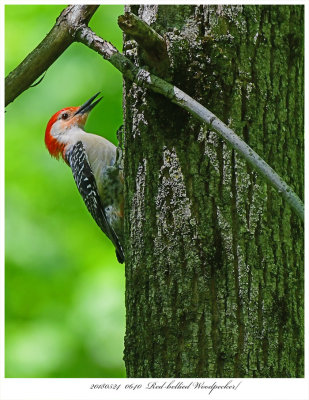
<point>64,288</point>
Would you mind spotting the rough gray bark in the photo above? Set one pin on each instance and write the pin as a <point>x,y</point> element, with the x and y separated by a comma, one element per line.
<point>214,257</point>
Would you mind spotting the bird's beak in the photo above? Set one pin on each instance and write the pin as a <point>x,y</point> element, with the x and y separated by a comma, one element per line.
<point>88,106</point>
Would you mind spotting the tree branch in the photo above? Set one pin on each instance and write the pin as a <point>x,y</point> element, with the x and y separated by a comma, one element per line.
<point>153,46</point>
<point>177,96</point>
<point>51,47</point>
<point>71,25</point>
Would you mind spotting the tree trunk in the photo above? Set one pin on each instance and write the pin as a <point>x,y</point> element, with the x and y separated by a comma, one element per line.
<point>214,256</point>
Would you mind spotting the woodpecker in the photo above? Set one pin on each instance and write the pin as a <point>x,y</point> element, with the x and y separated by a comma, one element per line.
<point>95,167</point>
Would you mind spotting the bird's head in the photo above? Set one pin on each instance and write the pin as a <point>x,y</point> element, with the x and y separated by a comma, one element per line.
<point>63,121</point>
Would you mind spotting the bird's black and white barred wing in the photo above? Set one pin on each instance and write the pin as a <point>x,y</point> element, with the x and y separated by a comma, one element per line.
<point>86,184</point>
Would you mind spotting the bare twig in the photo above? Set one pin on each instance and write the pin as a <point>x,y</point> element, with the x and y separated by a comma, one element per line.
<point>153,46</point>
<point>177,96</point>
<point>51,47</point>
<point>39,81</point>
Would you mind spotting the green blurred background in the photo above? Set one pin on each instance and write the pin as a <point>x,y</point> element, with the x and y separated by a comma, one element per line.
<point>64,288</point>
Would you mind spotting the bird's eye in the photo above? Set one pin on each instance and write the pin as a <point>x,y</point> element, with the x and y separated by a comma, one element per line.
<point>64,116</point>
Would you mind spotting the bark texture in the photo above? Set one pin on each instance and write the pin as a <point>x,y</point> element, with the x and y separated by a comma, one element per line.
<point>214,256</point>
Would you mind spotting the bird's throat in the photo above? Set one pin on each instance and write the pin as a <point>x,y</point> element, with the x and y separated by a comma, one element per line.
<point>54,147</point>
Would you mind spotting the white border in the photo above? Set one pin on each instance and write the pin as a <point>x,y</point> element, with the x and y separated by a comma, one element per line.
<point>2,180</point>
<point>79,389</point>
<point>167,2</point>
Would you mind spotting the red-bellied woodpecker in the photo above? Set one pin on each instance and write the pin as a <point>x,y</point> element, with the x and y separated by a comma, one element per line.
<point>93,161</point>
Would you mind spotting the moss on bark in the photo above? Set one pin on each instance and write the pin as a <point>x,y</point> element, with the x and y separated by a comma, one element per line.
<point>214,256</point>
